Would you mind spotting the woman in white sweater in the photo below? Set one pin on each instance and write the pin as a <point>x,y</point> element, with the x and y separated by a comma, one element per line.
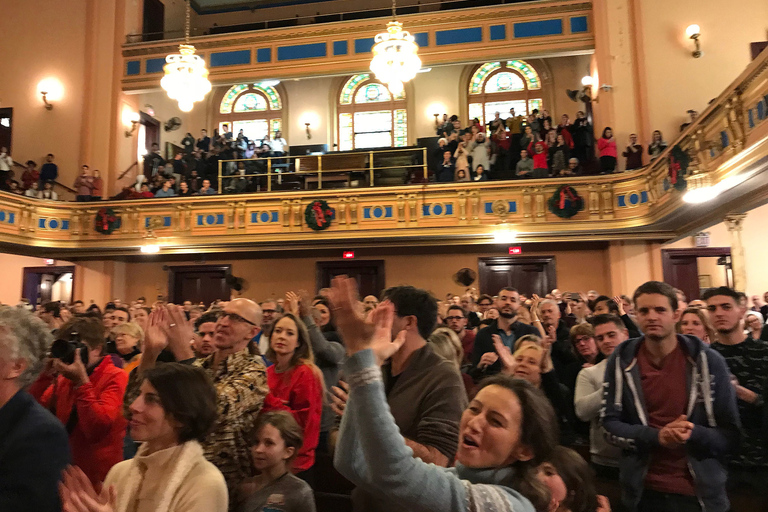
<point>175,410</point>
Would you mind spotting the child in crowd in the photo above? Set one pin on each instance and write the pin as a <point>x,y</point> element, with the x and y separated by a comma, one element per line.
<point>276,443</point>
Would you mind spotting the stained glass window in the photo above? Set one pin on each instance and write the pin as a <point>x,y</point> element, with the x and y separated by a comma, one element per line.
<point>530,74</point>
<point>372,93</point>
<point>505,82</point>
<point>373,129</point>
<point>229,98</point>
<point>345,132</point>
<point>534,104</point>
<point>254,129</point>
<point>250,102</point>
<point>476,111</point>
<point>401,128</point>
<point>271,93</point>
<point>476,84</point>
<point>350,86</point>
<point>275,125</point>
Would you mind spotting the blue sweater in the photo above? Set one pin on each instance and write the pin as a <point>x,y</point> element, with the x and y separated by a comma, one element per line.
<point>372,454</point>
<point>711,408</point>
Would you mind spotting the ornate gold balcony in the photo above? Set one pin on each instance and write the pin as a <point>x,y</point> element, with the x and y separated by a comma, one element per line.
<point>727,147</point>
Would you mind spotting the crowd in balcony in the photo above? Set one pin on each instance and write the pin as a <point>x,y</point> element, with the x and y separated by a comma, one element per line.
<point>471,403</point>
<point>518,147</point>
<point>531,147</point>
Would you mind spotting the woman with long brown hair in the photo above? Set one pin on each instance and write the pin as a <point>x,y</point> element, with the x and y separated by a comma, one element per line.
<point>296,385</point>
<point>695,322</point>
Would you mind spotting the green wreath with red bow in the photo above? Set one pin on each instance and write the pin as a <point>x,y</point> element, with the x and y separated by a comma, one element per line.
<point>678,168</point>
<point>319,215</point>
<point>107,221</point>
<point>566,202</point>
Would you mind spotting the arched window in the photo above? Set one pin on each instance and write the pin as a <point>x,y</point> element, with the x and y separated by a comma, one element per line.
<point>254,108</point>
<point>499,86</point>
<point>369,115</point>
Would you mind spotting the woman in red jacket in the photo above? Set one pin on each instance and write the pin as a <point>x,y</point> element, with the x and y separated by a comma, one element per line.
<point>607,148</point>
<point>296,383</point>
<point>87,397</point>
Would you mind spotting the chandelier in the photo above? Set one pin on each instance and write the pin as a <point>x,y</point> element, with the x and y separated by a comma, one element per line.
<point>395,58</point>
<point>186,79</point>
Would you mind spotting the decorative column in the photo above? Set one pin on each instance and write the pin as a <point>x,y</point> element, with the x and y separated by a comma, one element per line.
<point>735,222</point>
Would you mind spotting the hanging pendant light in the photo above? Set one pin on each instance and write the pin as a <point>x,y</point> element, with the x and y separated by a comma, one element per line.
<point>186,78</point>
<point>395,59</point>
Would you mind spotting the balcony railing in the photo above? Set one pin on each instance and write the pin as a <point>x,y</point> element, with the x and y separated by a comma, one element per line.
<point>727,147</point>
<point>347,169</point>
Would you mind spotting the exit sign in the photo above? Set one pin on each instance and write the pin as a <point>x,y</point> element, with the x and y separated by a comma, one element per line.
<point>516,250</point>
<point>348,255</point>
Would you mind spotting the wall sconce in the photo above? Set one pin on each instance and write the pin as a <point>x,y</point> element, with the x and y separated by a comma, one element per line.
<point>309,135</point>
<point>48,106</point>
<point>694,32</point>
<point>51,90</point>
<point>134,120</point>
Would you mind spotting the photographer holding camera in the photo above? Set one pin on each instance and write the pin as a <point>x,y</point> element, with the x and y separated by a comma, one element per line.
<point>84,390</point>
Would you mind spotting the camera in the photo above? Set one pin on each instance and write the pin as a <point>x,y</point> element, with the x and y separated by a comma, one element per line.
<point>65,350</point>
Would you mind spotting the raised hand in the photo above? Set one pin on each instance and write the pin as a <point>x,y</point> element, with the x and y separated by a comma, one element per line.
<point>305,303</point>
<point>292,303</point>
<point>179,332</point>
<point>508,362</point>
<point>620,304</point>
<point>155,337</point>
<point>355,331</point>
<point>488,359</point>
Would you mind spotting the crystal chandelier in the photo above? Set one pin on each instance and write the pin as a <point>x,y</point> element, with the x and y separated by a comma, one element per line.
<point>395,58</point>
<point>186,79</point>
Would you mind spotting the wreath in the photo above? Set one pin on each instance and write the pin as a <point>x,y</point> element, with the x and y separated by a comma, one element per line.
<point>678,168</point>
<point>319,215</point>
<point>107,221</point>
<point>566,202</point>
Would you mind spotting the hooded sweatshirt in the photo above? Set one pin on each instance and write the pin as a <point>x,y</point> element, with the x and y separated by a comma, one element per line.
<point>711,407</point>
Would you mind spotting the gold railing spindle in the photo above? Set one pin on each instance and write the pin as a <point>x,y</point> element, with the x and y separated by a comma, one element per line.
<point>269,175</point>
<point>370,166</point>
<point>319,172</point>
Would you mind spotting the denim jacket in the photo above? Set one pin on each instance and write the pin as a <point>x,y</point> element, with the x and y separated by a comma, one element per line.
<point>711,408</point>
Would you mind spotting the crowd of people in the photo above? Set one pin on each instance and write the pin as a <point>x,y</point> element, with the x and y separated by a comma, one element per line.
<point>470,403</point>
<point>532,146</point>
<point>512,147</point>
<point>34,182</point>
<point>195,170</point>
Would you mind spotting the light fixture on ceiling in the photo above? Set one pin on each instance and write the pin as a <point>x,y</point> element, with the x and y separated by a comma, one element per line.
<point>150,249</point>
<point>694,32</point>
<point>504,235</point>
<point>186,78</point>
<point>395,55</point>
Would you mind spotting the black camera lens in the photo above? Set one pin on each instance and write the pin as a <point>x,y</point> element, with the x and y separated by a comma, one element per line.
<point>65,351</point>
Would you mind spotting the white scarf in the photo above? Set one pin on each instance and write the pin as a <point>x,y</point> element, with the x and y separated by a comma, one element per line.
<point>190,453</point>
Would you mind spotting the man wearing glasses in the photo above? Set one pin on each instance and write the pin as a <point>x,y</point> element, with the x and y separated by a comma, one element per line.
<point>241,384</point>
<point>270,314</point>
<point>457,322</point>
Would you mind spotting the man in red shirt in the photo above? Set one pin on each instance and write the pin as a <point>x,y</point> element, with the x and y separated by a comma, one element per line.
<point>457,322</point>
<point>669,404</point>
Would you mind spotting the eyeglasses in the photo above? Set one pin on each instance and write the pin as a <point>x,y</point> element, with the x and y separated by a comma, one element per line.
<point>581,339</point>
<point>271,311</point>
<point>449,318</point>
<point>237,318</point>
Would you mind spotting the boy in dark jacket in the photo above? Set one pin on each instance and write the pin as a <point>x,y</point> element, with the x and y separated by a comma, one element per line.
<point>669,404</point>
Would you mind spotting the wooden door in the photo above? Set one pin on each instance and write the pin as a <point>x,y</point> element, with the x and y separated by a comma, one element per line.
<point>681,268</point>
<point>369,274</point>
<point>527,274</point>
<point>199,283</point>
<point>6,129</point>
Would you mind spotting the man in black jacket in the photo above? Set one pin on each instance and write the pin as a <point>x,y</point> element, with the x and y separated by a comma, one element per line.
<point>34,445</point>
<point>485,360</point>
